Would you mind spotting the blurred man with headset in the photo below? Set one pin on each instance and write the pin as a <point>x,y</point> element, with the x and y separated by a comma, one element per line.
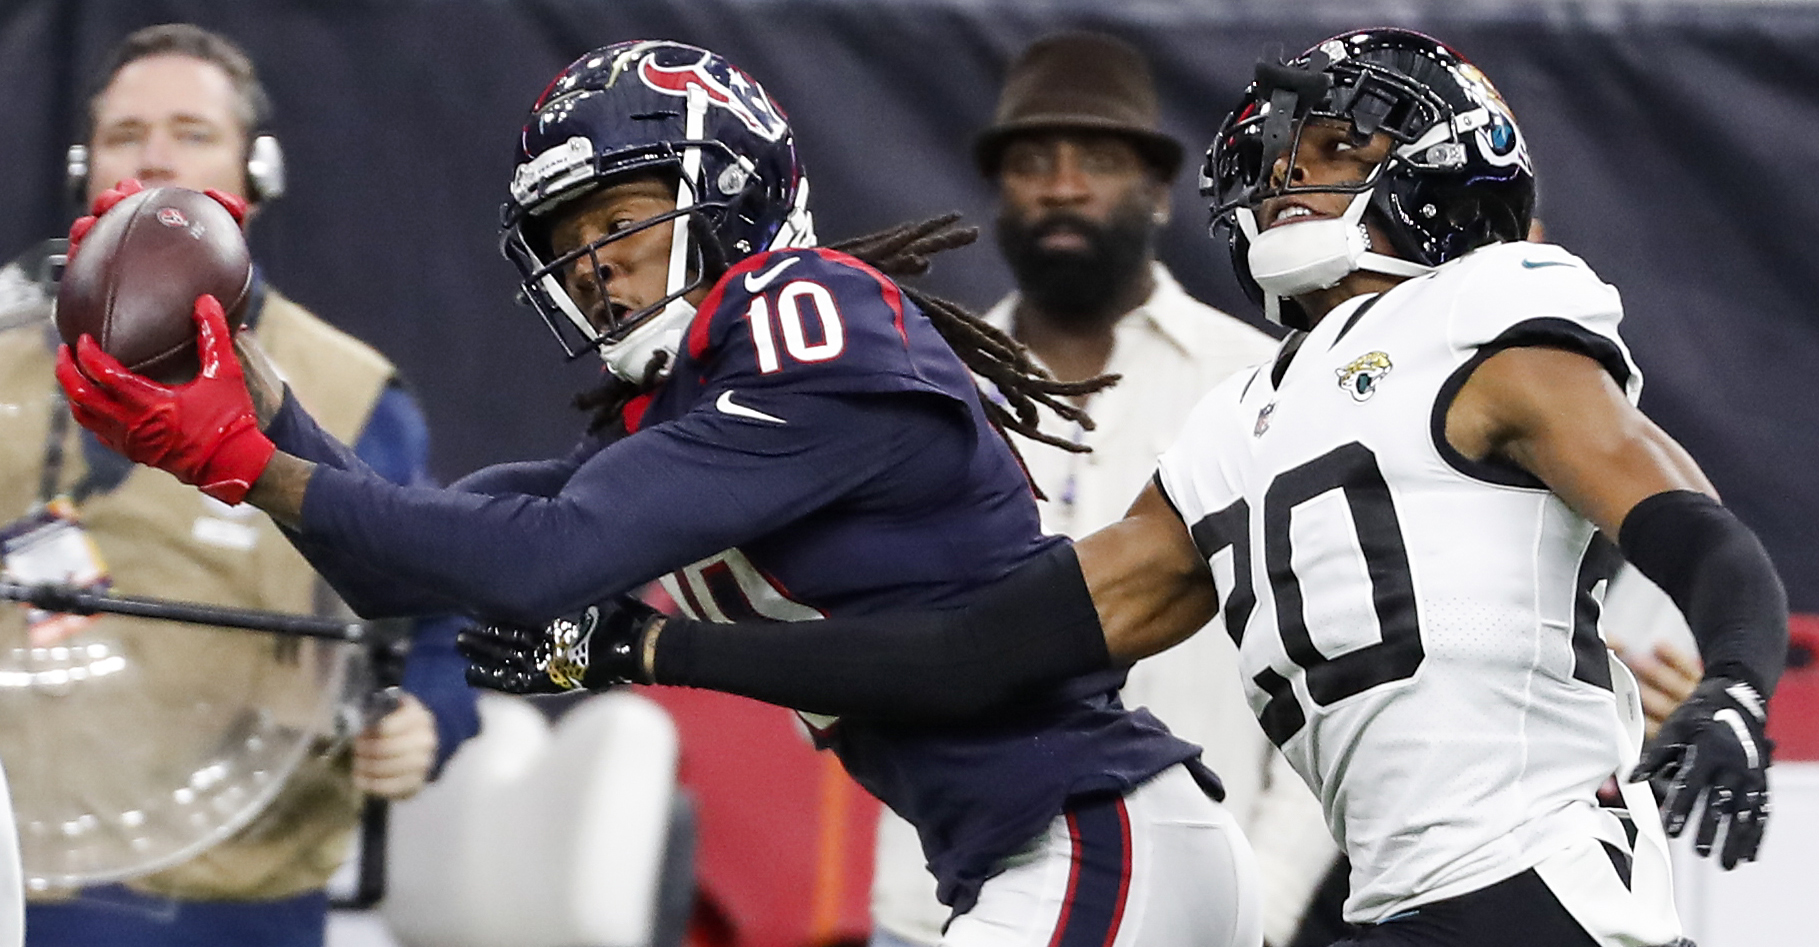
<point>177,105</point>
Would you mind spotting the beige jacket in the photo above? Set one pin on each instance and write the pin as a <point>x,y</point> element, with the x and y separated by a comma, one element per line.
<point>161,538</point>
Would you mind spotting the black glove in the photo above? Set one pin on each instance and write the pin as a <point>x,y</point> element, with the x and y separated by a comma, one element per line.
<point>1714,744</point>
<point>595,649</point>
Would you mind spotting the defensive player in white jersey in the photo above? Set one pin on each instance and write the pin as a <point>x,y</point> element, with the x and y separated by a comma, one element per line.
<point>1403,520</point>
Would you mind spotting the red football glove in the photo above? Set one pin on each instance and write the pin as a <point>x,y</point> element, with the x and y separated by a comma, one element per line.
<point>106,200</point>
<point>203,431</point>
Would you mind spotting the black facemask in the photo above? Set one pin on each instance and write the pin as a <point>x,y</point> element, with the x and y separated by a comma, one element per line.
<point>1078,285</point>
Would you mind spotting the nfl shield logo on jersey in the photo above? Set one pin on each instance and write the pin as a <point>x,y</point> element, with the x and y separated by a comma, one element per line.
<point>1361,376</point>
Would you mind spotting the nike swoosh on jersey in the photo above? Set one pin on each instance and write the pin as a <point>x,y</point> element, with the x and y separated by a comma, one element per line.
<point>755,282</point>
<point>727,405</point>
<point>1526,264</point>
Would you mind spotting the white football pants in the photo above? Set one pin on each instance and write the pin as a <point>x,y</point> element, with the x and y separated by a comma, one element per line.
<point>1165,866</point>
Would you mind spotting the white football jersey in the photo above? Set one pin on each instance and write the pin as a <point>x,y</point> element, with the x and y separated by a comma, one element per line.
<point>1418,632</point>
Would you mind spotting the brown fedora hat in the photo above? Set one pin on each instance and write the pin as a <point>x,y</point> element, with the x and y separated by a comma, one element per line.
<point>1079,82</point>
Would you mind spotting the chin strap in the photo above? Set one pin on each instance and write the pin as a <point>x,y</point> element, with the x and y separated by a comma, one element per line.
<point>1296,258</point>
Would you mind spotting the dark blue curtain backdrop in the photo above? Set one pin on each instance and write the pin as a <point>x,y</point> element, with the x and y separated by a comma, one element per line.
<point>1675,142</point>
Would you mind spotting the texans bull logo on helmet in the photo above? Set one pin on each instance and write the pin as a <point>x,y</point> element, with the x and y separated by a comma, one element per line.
<point>736,93</point>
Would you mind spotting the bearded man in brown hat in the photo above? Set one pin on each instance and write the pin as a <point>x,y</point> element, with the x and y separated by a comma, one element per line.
<point>1083,172</point>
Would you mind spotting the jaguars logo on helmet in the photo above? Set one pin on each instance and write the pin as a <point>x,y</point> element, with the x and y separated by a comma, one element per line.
<point>692,117</point>
<point>1457,177</point>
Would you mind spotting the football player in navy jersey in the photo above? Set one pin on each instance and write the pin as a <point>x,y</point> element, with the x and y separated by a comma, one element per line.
<point>785,433</point>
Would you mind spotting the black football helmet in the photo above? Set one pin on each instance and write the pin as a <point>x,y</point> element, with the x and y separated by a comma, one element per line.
<point>668,109</point>
<point>1458,175</point>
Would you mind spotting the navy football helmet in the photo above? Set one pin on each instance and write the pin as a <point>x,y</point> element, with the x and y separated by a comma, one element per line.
<point>652,108</point>
<point>1458,175</point>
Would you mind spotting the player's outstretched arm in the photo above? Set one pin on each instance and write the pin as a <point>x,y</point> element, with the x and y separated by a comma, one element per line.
<point>280,488</point>
<point>1035,627</point>
<point>1125,592</point>
<point>1150,586</point>
<point>1560,416</point>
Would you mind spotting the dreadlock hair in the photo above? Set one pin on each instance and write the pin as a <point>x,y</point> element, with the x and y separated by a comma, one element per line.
<point>1023,387</point>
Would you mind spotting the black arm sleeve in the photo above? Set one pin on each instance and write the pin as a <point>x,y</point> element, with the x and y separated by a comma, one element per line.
<point>1033,629</point>
<point>1717,572</point>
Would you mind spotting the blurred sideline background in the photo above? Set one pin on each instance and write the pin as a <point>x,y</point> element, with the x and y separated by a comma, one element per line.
<point>1675,144</point>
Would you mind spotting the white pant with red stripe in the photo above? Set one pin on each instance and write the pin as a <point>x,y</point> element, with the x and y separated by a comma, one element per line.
<point>1164,866</point>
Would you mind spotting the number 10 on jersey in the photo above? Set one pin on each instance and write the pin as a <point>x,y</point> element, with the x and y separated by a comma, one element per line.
<point>792,299</point>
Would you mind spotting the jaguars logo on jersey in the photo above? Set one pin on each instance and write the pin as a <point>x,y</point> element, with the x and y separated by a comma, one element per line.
<point>1361,376</point>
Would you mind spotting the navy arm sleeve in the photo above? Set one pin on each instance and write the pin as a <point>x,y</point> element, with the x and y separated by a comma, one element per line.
<point>645,505</point>
<point>296,433</point>
<point>395,445</point>
<point>543,478</point>
<point>369,591</point>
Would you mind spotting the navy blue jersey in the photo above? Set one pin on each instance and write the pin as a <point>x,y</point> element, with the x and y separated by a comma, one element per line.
<point>817,450</point>
<point>815,323</point>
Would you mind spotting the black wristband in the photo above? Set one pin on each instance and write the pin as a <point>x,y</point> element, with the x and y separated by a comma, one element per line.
<point>1031,630</point>
<point>1717,572</point>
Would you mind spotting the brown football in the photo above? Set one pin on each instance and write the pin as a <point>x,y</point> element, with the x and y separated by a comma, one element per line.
<point>134,282</point>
